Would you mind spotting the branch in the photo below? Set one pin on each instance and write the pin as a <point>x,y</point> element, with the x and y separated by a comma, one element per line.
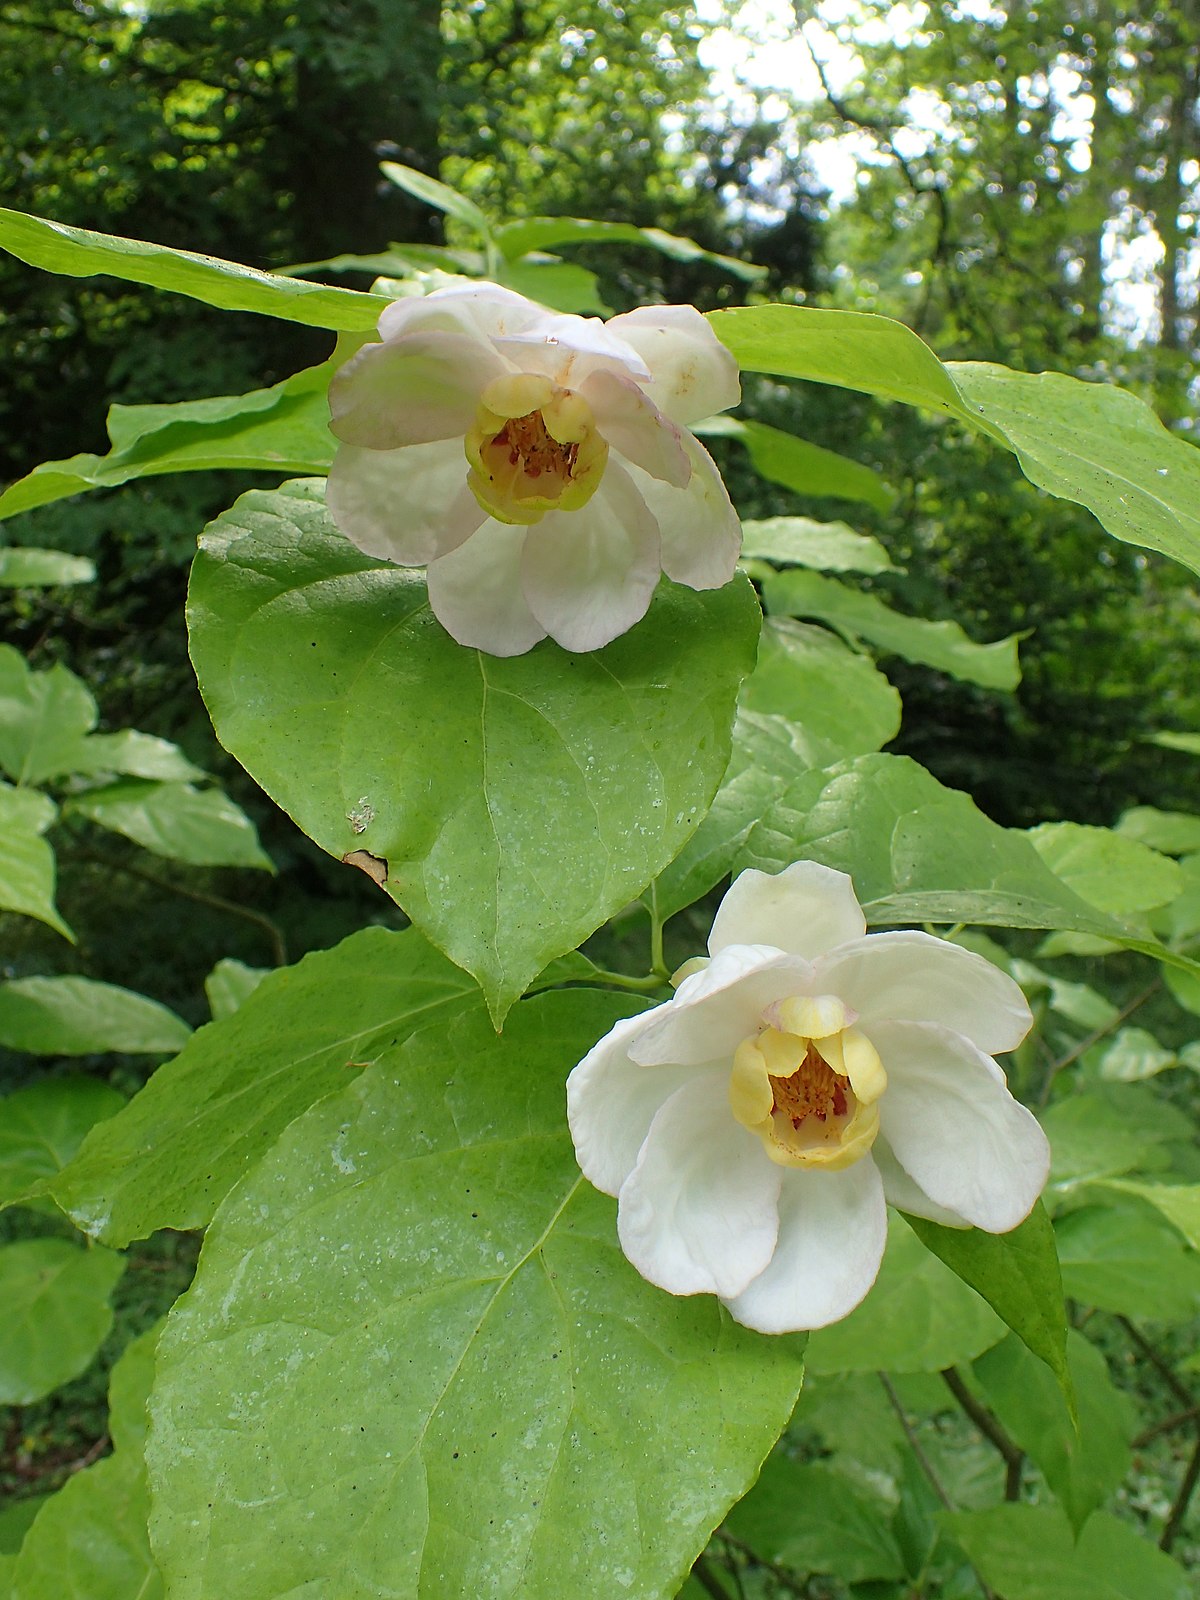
<point>1179,1509</point>
<point>989,1426</point>
<point>1095,1036</point>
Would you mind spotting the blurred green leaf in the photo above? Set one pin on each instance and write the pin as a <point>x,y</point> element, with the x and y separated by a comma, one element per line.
<point>1178,1202</point>
<point>541,233</point>
<point>1030,1553</point>
<point>918,1317</point>
<point>1176,833</point>
<point>812,1518</point>
<point>806,469</point>
<point>200,826</point>
<point>42,1126</point>
<point>1124,1259</point>
<point>56,1313</point>
<point>26,860</point>
<point>1107,869</point>
<point>43,718</point>
<point>80,1017</point>
<point>229,984</point>
<point>1084,1466</point>
<point>1131,1055</point>
<point>824,546</point>
<point>29,569</point>
<point>942,645</point>
<point>437,194</point>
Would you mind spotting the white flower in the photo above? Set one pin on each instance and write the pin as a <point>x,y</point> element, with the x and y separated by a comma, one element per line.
<point>753,1127</point>
<point>535,463</point>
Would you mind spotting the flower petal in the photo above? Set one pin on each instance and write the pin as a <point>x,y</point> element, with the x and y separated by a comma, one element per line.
<point>568,349</point>
<point>806,909</point>
<point>634,425</point>
<point>475,592</point>
<point>832,1230</point>
<point>913,977</point>
<point>408,506</point>
<point>485,309</point>
<point>412,390</point>
<point>589,575</point>
<point>955,1129</point>
<point>714,1010</point>
<point>611,1102</point>
<point>698,1212</point>
<point>701,532</point>
<point>692,373</point>
<point>905,1193</point>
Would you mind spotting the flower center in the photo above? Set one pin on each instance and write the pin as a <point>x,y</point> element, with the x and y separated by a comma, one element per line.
<point>809,1084</point>
<point>534,448</point>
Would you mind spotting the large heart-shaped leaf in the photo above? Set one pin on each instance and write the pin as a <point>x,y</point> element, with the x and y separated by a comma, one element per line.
<point>510,806</point>
<point>432,1369</point>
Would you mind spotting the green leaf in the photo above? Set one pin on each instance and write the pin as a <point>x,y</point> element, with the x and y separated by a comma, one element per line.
<point>1097,445</point>
<point>42,1126</point>
<point>1176,833</point>
<point>839,701</point>
<point>1186,743</point>
<point>80,1017</point>
<point>1131,1055</point>
<point>833,703</point>
<point>15,1518</point>
<point>1178,1202</point>
<point>918,852</point>
<point>229,984</point>
<point>1086,1007</point>
<point>201,826</point>
<point>440,195</point>
<point>1030,1553</point>
<point>1084,1466</point>
<point>26,860</point>
<point>40,569</point>
<point>541,233</point>
<point>812,1518</point>
<point>452,1363</point>
<point>43,718</point>
<point>283,429</point>
<point>942,645</point>
<point>203,1119</point>
<point>1090,443</point>
<point>1018,1275</point>
<point>918,1317</point>
<point>89,1541</point>
<point>80,253</point>
<point>1115,873</point>
<point>328,678</point>
<point>138,755</point>
<point>558,284</point>
<point>56,1314</point>
<point>852,349</point>
<point>807,469</point>
<point>825,546</point>
<point>1092,1139</point>
<point>1122,1258</point>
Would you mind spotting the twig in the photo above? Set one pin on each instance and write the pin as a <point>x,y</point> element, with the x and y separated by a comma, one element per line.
<point>789,1580</point>
<point>704,1576</point>
<point>1164,1369</point>
<point>1095,1036</point>
<point>1167,1425</point>
<point>1179,1509</point>
<point>989,1426</point>
<point>215,901</point>
<point>914,1443</point>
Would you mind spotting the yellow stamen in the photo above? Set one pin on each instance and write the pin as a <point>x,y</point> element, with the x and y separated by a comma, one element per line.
<point>534,448</point>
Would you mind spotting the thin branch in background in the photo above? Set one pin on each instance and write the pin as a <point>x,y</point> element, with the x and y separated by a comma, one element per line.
<point>988,1425</point>
<point>706,1578</point>
<point>789,1580</point>
<point>1095,1037</point>
<point>1167,1425</point>
<point>1164,1369</point>
<point>1179,1509</point>
<point>914,1444</point>
<point>215,901</point>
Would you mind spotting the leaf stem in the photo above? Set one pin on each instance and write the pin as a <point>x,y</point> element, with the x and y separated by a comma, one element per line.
<point>1179,1509</point>
<point>650,984</point>
<point>657,960</point>
<point>989,1425</point>
<point>914,1443</point>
